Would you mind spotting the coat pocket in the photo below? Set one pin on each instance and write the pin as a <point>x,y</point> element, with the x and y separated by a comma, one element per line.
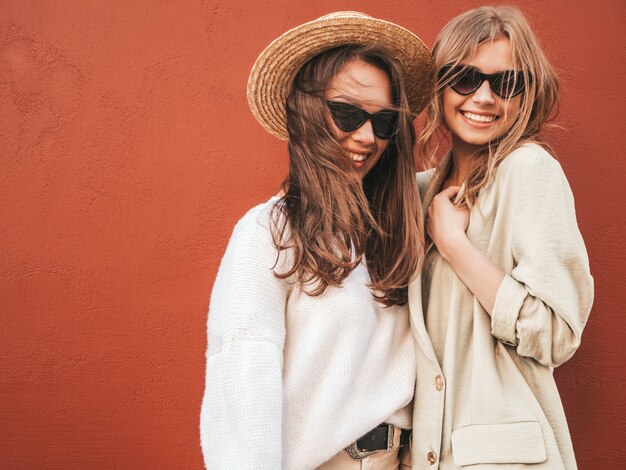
<point>508,443</point>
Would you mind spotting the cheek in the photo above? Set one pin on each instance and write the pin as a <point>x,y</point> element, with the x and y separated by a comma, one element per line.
<point>511,113</point>
<point>449,104</point>
<point>331,125</point>
<point>514,106</point>
<point>381,145</point>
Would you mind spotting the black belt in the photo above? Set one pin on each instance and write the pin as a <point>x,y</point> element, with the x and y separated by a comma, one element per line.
<point>378,438</point>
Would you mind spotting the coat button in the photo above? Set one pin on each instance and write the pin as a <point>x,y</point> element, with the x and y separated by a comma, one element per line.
<point>432,458</point>
<point>439,383</point>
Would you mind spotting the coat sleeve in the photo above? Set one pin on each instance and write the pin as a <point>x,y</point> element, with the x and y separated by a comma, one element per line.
<point>542,306</point>
<point>241,415</point>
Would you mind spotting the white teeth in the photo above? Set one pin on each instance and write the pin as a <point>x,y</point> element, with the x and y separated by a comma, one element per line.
<point>478,117</point>
<point>357,157</point>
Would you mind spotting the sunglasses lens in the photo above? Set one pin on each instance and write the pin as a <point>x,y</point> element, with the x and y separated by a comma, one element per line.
<point>508,84</point>
<point>463,80</point>
<point>346,116</point>
<point>384,124</point>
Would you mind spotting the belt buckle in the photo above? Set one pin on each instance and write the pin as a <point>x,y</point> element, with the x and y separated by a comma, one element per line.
<point>358,454</point>
<point>389,437</point>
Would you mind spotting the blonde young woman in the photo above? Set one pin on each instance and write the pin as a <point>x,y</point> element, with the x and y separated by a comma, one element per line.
<point>310,360</point>
<point>506,288</point>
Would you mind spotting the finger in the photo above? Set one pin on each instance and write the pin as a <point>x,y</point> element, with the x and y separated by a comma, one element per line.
<point>450,192</point>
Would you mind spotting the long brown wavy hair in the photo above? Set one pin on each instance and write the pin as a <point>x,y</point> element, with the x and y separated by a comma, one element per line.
<point>458,41</point>
<point>332,218</point>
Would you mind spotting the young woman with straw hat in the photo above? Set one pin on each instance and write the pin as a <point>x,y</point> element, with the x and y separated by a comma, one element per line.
<point>310,360</point>
<point>506,290</point>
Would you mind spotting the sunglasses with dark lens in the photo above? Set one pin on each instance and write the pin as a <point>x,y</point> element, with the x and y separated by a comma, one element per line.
<point>465,80</point>
<point>349,117</point>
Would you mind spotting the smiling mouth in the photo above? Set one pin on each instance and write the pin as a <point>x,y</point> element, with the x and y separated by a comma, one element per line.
<point>358,157</point>
<point>480,118</point>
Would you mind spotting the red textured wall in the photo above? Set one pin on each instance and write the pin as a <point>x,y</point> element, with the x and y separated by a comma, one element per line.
<point>127,153</point>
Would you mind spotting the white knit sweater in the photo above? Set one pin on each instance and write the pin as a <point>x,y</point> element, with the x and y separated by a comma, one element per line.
<point>292,379</point>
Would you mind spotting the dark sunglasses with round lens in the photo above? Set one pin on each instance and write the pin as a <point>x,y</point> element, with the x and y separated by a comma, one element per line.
<point>465,80</point>
<point>349,117</point>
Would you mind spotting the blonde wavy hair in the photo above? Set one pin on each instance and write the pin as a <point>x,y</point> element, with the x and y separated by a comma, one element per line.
<point>458,41</point>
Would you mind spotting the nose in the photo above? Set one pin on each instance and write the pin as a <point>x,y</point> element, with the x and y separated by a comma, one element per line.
<point>364,134</point>
<point>483,94</point>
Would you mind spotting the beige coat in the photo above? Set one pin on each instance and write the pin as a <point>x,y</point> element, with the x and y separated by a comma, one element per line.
<point>485,395</point>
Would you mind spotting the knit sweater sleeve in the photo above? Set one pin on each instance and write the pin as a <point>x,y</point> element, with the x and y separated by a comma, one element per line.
<point>542,306</point>
<point>241,417</point>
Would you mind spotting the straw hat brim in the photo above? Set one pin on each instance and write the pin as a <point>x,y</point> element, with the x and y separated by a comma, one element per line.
<point>273,73</point>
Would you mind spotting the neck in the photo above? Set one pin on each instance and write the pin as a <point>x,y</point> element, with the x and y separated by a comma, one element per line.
<point>463,157</point>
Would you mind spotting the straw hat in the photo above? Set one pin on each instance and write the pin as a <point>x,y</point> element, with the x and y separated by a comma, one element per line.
<point>274,70</point>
